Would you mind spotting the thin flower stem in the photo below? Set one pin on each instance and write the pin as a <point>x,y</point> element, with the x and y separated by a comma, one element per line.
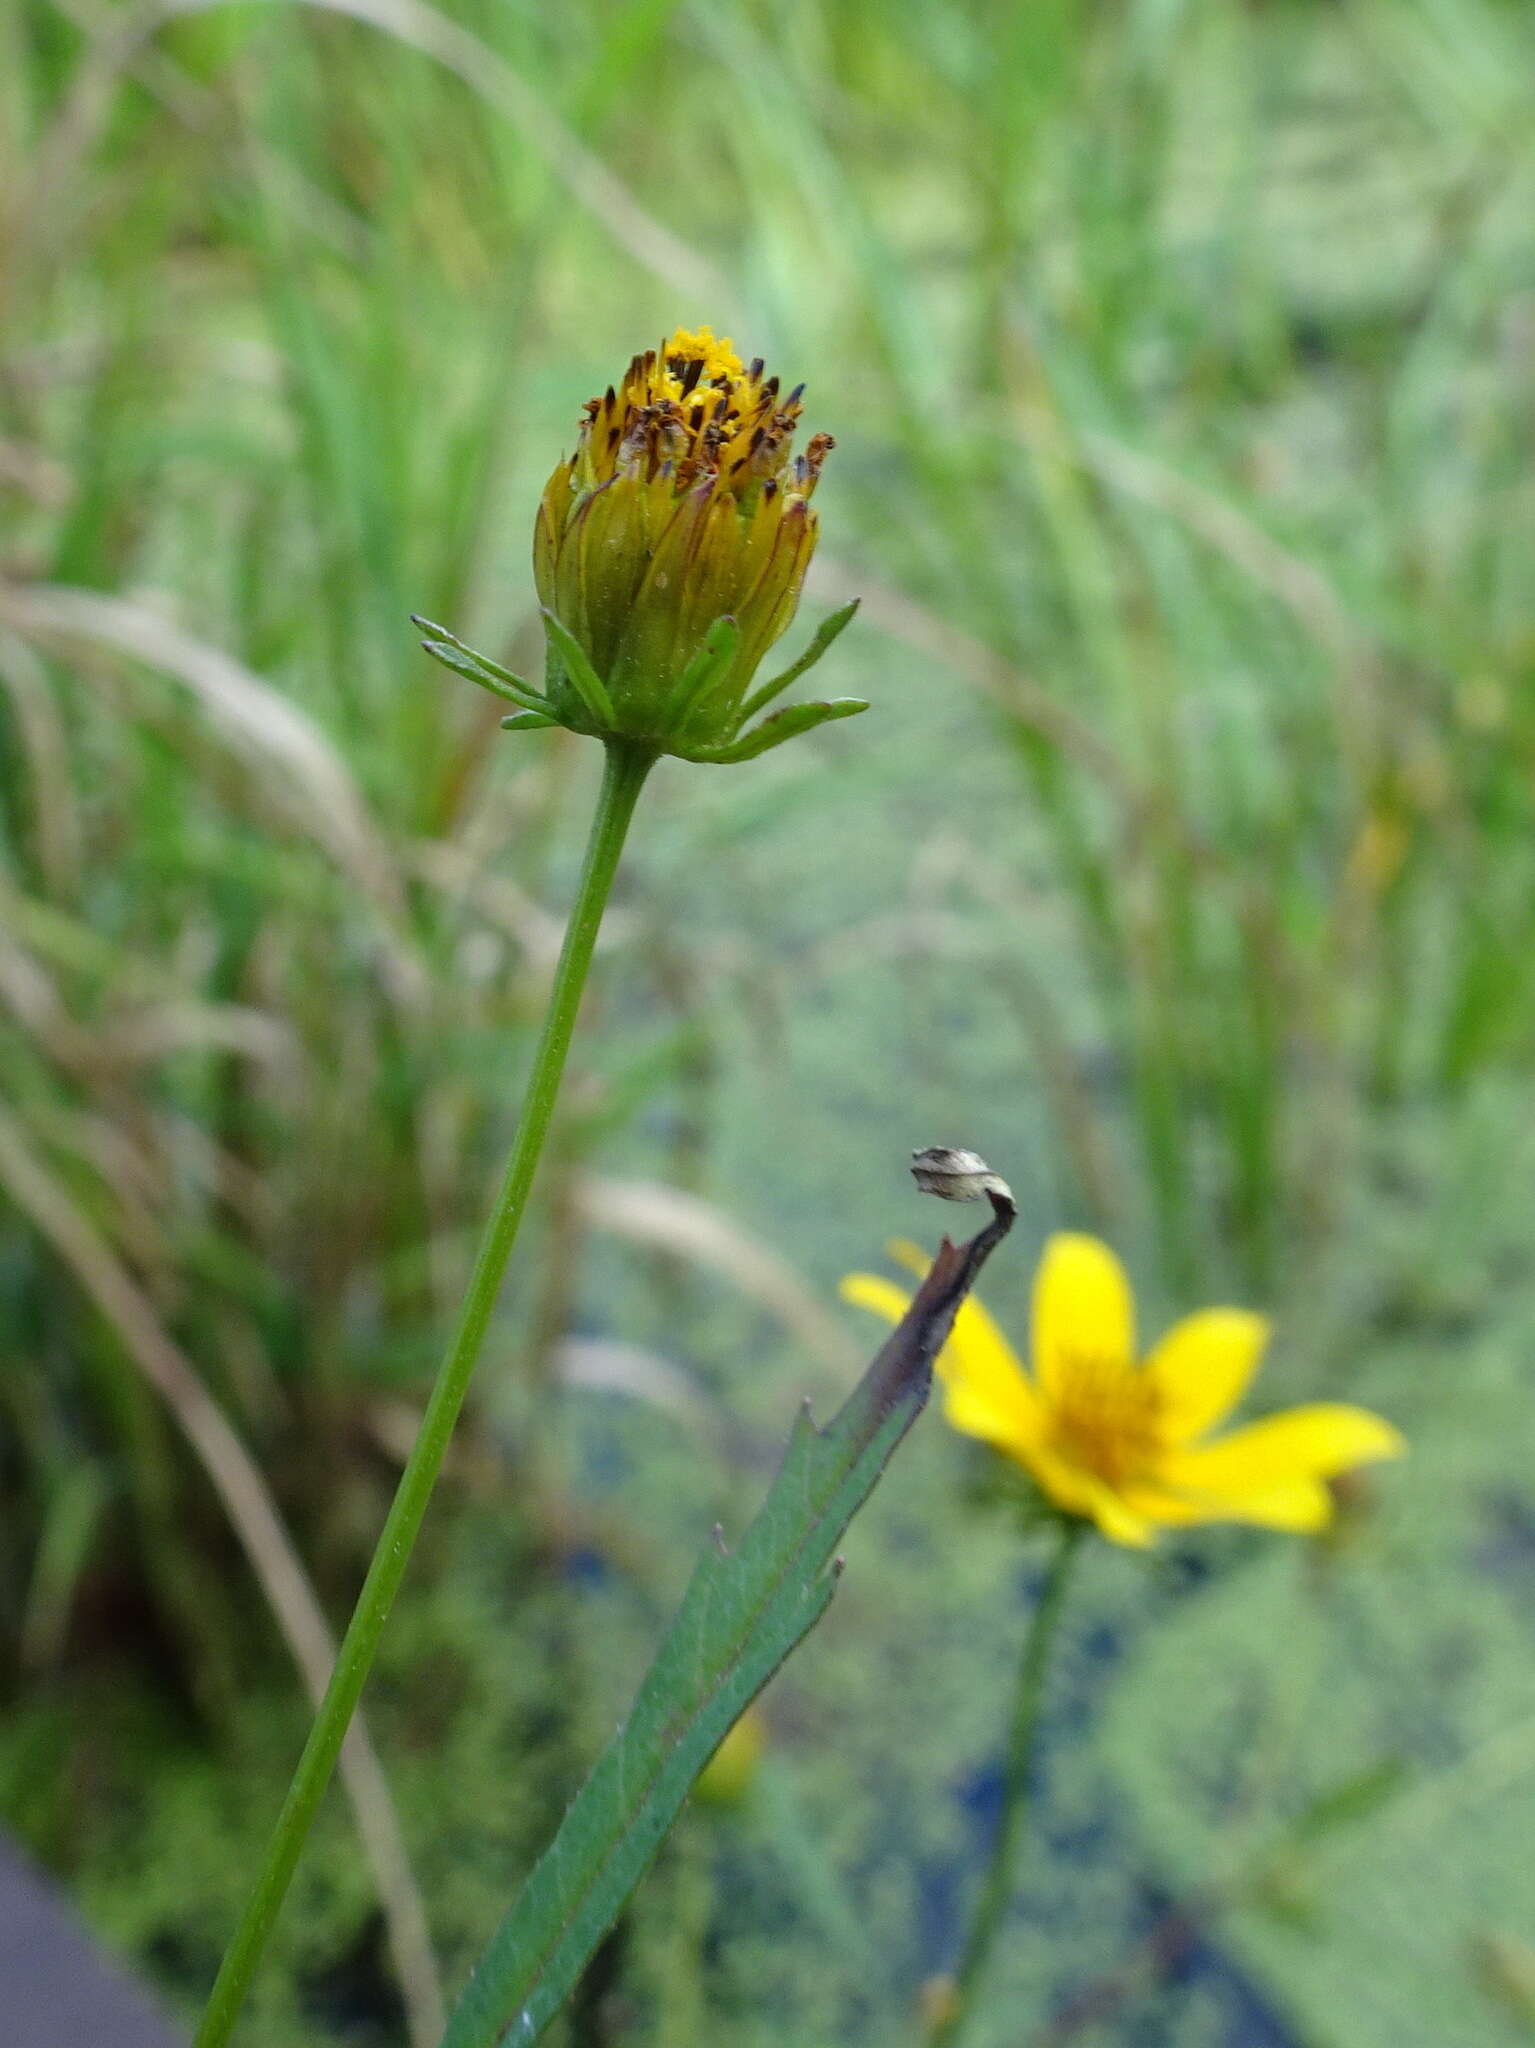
<point>623,778</point>
<point>997,1885</point>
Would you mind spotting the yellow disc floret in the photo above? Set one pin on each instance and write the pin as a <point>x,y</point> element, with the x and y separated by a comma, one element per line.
<point>719,358</point>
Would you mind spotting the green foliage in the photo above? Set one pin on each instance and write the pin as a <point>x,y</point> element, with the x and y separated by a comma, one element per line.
<point>1185,859</point>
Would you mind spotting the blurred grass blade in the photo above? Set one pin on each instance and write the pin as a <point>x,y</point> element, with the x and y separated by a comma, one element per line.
<point>585,176</point>
<point>299,769</point>
<point>742,1615</point>
<point>670,1219</point>
<point>254,1515</point>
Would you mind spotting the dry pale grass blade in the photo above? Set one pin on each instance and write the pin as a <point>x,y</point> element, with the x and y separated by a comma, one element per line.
<point>1008,686</point>
<point>130,1180</point>
<point>121,47</point>
<point>461,875</point>
<point>35,473</point>
<point>1143,810</point>
<point>55,812</point>
<point>464,878</point>
<point>1268,564</point>
<point>142,1036</point>
<point>300,770</point>
<point>584,175</point>
<point>135,1034</point>
<point>27,990</point>
<point>599,1365</point>
<point>648,1212</point>
<point>241,1488</point>
<point>40,219</point>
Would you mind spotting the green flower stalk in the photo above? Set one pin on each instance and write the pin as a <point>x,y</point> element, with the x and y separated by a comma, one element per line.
<point>669,555</point>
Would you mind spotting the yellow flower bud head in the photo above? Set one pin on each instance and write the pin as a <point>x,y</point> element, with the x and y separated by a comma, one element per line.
<point>671,548</point>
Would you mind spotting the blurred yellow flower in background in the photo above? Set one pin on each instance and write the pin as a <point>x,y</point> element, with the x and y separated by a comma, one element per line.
<point>1127,1445</point>
<point>728,1776</point>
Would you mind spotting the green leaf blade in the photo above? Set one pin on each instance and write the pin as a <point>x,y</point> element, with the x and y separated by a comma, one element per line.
<point>743,1613</point>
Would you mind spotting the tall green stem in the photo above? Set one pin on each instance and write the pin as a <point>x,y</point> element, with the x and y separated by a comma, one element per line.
<point>997,1885</point>
<point>623,778</point>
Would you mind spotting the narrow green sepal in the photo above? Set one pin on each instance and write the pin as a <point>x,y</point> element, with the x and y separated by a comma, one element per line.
<point>527,721</point>
<point>784,725</point>
<point>465,662</point>
<point>707,667</point>
<point>824,635</point>
<point>494,668</point>
<point>583,678</point>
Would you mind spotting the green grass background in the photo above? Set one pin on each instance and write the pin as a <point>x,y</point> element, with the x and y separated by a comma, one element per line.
<point>1179,355</point>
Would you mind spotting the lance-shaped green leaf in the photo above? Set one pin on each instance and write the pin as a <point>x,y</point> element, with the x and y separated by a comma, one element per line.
<point>824,635</point>
<point>580,674</point>
<point>447,648</point>
<point>527,721</point>
<point>783,725</point>
<point>741,1616</point>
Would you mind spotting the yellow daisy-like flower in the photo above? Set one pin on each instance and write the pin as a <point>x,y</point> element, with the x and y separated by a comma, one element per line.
<point>1128,1445</point>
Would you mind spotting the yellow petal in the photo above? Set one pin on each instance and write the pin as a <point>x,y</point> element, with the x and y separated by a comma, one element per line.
<point>1083,1310</point>
<point>979,1363</point>
<point>1313,1442</point>
<point>909,1255</point>
<point>1202,1368</point>
<point>1304,1505</point>
<point>1083,1493</point>
<point>1005,1425</point>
